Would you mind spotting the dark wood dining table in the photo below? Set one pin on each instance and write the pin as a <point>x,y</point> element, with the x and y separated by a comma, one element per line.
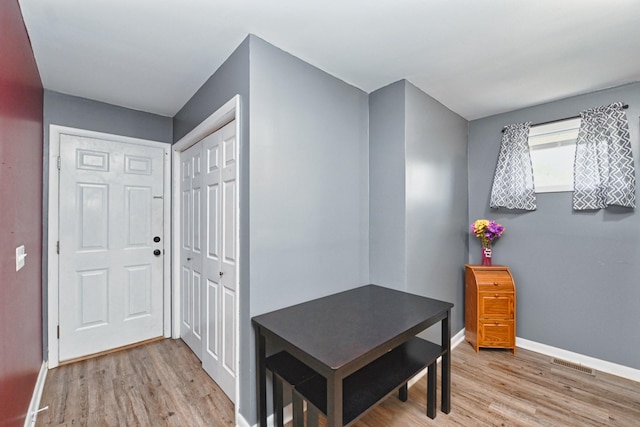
<point>339,334</point>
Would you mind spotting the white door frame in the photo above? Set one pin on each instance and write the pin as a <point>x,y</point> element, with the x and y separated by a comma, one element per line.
<point>55,131</point>
<point>225,114</point>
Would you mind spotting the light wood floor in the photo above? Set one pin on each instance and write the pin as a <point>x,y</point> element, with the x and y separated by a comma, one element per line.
<point>157,384</point>
<point>161,384</point>
<point>495,388</point>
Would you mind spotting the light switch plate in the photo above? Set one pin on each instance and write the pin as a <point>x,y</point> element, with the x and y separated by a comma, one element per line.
<point>20,257</point>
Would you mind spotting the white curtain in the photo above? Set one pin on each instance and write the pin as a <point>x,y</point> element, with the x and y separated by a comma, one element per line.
<point>513,180</point>
<point>603,172</point>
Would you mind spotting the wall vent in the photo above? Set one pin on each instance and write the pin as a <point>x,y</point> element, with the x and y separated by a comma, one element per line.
<point>574,366</point>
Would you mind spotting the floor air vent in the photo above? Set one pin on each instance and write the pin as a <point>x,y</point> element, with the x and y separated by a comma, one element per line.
<point>574,366</point>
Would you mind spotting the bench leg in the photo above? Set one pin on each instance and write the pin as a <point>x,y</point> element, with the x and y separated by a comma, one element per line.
<point>432,376</point>
<point>298,411</point>
<point>403,393</point>
<point>312,416</point>
<point>277,401</point>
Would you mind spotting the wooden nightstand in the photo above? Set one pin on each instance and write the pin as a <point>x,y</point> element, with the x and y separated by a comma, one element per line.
<point>490,307</point>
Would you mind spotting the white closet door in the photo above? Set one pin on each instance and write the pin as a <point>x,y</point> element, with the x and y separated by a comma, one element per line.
<point>209,255</point>
<point>191,325</point>
<point>220,152</point>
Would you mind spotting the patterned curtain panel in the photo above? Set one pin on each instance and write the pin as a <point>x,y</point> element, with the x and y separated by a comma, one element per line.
<point>513,180</point>
<point>603,172</point>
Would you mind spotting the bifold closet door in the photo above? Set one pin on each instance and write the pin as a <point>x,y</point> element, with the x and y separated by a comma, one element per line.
<point>210,258</point>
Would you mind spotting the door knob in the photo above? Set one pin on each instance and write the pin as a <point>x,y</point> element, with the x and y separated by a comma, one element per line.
<point>156,239</point>
<point>157,252</point>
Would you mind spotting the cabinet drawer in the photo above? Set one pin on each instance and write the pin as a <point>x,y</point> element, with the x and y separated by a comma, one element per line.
<point>496,333</point>
<point>494,281</point>
<point>496,305</point>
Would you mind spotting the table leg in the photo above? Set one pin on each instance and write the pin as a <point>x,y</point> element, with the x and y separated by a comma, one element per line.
<point>334,402</point>
<point>278,403</point>
<point>432,382</point>
<point>446,364</point>
<point>261,378</point>
<point>403,392</point>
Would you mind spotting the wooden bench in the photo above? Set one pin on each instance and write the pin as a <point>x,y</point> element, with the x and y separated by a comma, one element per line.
<point>373,383</point>
<point>286,368</point>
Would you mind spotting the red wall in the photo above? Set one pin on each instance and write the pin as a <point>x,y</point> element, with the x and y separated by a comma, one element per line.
<point>21,98</point>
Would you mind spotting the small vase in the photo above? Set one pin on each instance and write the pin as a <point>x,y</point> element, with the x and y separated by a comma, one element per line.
<point>486,256</point>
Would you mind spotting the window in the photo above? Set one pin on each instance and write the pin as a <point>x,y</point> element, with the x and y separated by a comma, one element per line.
<point>553,148</point>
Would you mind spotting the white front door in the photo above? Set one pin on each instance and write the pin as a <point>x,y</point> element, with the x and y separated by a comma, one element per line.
<point>191,248</point>
<point>220,153</point>
<point>111,245</point>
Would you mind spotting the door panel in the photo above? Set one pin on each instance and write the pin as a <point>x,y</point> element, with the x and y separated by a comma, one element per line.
<point>211,357</point>
<point>186,323</point>
<point>219,359</point>
<point>212,343</point>
<point>93,215</point>
<point>228,359</point>
<point>92,293</point>
<point>137,216</point>
<point>138,292</point>
<point>110,281</point>
<point>191,253</point>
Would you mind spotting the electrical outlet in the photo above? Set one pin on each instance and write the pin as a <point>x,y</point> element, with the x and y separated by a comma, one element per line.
<point>20,257</point>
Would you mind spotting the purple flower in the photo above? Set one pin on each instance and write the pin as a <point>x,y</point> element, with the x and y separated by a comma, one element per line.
<point>487,231</point>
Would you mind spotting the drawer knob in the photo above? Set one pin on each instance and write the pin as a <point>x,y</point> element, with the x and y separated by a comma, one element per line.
<point>497,295</point>
<point>495,283</point>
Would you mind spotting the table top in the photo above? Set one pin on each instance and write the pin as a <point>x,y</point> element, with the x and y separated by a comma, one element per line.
<point>337,329</point>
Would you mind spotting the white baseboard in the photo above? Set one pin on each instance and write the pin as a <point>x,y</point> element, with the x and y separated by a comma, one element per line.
<point>569,356</point>
<point>287,415</point>
<point>580,359</point>
<point>455,341</point>
<point>32,413</point>
<point>241,422</point>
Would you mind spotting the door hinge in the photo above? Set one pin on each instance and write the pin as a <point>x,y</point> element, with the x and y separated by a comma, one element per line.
<point>58,331</point>
<point>59,163</point>
<point>58,247</point>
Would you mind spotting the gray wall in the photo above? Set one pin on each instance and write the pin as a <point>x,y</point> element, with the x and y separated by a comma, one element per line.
<point>418,196</point>
<point>309,181</point>
<point>576,273</point>
<point>231,79</point>
<point>387,186</point>
<point>304,142</point>
<point>309,184</point>
<point>67,110</point>
<point>436,206</point>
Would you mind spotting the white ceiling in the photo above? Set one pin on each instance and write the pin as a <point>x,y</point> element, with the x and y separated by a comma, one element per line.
<point>477,57</point>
